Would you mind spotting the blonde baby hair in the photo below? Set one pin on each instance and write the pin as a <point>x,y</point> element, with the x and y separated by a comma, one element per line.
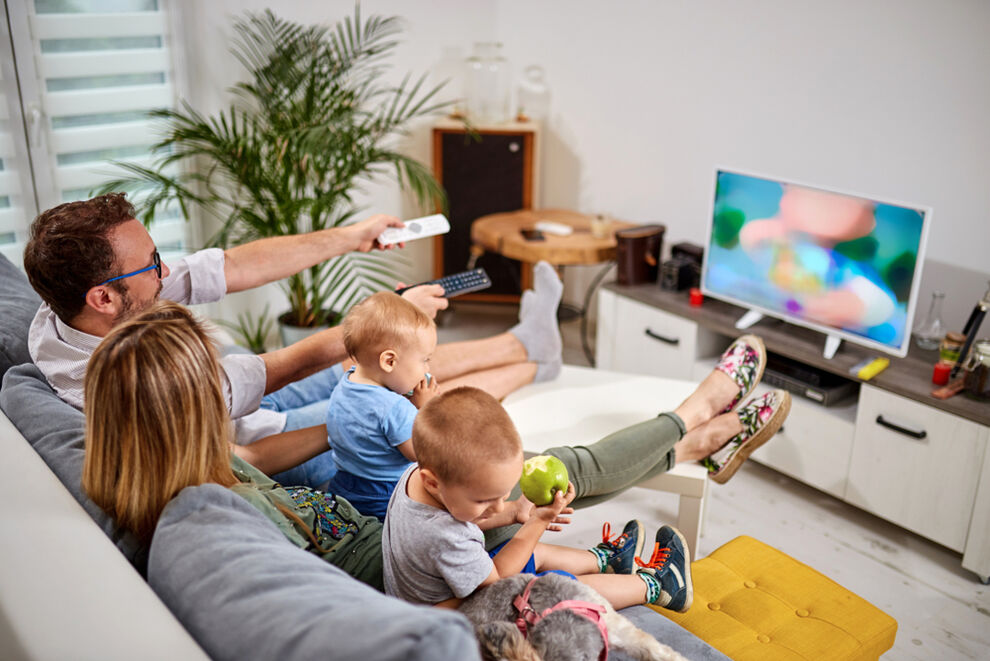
<point>382,321</point>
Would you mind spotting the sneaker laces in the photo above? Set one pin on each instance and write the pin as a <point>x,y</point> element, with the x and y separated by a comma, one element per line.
<point>617,543</point>
<point>658,559</point>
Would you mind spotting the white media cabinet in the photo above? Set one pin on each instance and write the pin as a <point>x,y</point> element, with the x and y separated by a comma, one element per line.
<point>893,450</point>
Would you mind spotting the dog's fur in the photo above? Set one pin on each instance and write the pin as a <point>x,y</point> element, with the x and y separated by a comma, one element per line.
<point>562,635</point>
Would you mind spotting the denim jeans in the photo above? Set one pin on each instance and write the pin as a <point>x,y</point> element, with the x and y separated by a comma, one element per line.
<point>305,404</point>
<point>608,467</point>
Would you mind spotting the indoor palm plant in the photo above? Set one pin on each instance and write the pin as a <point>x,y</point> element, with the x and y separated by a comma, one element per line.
<point>313,120</point>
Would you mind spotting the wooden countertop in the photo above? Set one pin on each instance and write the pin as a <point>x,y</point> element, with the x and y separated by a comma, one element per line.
<point>909,377</point>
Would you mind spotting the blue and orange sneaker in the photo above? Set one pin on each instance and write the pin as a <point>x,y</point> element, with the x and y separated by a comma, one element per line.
<point>617,556</point>
<point>668,573</point>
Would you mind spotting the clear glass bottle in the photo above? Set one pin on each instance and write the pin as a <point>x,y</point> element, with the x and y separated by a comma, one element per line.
<point>930,330</point>
<point>533,94</point>
<point>487,93</point>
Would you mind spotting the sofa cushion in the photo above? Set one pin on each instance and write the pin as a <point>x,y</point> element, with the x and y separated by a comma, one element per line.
<point>244,592</point>
<point>56,431</point>
<point>18,303</point>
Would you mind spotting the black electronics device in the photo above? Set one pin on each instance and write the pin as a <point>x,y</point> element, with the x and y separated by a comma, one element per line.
<point>532,235</point>
<point>809,382</point>
<point>458,283</point>
<point>689,250</point>
<point>679,273</point>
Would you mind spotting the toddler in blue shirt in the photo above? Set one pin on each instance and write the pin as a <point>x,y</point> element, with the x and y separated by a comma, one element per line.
<point>370,417</point>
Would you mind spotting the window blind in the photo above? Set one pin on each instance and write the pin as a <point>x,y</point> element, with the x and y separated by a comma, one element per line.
<point>100,66</point>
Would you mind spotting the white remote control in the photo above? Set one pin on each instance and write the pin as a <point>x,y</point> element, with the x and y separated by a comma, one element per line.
<point>550,227</point>
<point>416,228</point>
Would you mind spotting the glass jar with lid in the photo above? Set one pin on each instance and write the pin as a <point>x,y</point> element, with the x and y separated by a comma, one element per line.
<point>487,91</point>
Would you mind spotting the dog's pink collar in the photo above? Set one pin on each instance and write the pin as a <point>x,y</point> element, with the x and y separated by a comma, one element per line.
<point>529,617</point>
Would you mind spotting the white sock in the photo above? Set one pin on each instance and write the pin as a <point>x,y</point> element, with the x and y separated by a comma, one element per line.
<point>537,329</point>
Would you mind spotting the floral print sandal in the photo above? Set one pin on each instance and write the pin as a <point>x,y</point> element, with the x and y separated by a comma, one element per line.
<point>743,362</point>
<point>761,417</point>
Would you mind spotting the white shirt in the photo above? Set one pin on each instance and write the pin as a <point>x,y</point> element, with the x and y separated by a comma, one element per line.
<point>62,352</point>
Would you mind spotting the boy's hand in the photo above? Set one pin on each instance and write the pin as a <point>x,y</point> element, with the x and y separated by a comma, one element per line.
<point>428,298</point>
<point>524,511</point>
<point>551,513</point>
<point>424,391</point>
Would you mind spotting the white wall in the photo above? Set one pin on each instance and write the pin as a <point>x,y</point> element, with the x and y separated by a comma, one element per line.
<point>886,98</point>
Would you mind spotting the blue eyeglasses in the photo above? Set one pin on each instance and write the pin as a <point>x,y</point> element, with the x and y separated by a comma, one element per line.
<point>156,264</point>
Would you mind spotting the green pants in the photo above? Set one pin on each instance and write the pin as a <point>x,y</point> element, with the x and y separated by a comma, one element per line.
<point>599,471</point>
<point>608,467</point>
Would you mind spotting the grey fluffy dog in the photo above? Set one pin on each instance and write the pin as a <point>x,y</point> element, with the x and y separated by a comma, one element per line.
<point>562,635</point>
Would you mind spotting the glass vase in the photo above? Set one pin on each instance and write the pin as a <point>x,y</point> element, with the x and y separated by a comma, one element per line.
<point>930,331</point>
<point>533,94</point>
<point>487,92</point>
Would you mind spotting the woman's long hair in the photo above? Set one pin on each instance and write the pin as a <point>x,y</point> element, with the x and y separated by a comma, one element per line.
<point>156,420</point>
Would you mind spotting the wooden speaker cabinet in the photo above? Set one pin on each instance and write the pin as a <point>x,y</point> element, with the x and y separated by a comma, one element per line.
<point>491,172</point>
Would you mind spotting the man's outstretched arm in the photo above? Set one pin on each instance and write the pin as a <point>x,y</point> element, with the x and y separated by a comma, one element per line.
<point>267,260</point>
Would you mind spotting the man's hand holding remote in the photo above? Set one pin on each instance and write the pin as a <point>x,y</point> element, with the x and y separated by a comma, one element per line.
<point>428,298</point>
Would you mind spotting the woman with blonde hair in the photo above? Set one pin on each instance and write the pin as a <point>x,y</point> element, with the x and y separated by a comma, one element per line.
<point>156,422</point>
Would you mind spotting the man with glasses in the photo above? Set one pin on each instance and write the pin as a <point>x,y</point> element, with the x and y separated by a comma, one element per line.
<point>95,265</point>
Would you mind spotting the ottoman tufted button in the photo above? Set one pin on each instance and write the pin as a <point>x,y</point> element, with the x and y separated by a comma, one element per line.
<point>801,612</point>
<point>749,584</point>
<point>715,607</point>
<point>763,638</point>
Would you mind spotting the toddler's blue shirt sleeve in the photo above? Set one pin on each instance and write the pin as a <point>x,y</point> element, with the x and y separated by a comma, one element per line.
<point>398,421</point>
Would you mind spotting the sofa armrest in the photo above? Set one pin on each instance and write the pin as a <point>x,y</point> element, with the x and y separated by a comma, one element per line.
<point>65,591</point>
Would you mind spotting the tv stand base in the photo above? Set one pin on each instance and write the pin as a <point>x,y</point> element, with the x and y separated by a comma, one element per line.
<point>831,346</point>
<point>748,319</point>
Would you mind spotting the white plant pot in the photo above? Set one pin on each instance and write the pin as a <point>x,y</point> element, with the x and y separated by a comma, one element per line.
<point>292,334</point>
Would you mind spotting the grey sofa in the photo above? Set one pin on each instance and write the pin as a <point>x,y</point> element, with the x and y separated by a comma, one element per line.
<point>223,570</point>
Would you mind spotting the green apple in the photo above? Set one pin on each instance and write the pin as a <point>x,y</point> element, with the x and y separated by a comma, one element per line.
<point>542,477</point>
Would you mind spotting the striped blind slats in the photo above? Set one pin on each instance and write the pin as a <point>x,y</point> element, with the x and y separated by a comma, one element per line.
<point>168,232</point>
<point>103,136</point>
<point>90,26</point>
<point>115,99</point>
<point>91,175</point>
<point>10,184</point>
<point>6,145</point>
<point>103,63</point>
<point>14,252</point>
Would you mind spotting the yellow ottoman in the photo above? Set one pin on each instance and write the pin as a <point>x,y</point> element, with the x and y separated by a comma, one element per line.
<point>753,602</point>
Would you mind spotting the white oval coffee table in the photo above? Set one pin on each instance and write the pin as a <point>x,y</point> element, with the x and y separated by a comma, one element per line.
<point>584,405</point>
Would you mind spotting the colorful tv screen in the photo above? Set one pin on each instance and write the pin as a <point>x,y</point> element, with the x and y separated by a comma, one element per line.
<point>843,264</point>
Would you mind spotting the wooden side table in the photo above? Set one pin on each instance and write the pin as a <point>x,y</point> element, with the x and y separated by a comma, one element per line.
<point>502,233</point>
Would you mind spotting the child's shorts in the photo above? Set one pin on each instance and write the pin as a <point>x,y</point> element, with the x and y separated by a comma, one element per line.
<point>530,567</point>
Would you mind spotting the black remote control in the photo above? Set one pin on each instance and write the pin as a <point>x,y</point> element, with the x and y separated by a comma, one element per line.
<point>458,283</point>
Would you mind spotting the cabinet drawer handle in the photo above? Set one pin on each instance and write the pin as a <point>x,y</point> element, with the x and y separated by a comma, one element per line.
<point>907,432</point>
<point>669,340</point>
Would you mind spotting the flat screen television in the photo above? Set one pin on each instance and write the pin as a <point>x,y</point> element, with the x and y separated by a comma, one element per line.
<point>840,263</point>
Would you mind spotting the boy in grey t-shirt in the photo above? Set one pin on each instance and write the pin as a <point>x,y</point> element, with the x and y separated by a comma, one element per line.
<point>470,458</point>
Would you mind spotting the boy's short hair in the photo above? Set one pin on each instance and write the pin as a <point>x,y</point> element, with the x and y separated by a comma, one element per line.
<point>458,431</point>
<point>379,322</point>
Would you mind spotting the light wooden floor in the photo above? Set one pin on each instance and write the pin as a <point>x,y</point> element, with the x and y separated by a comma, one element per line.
<point>942,610</point>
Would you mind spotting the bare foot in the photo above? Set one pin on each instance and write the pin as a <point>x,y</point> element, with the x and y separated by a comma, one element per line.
<point>712,396</point>
<point>708,438</point>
